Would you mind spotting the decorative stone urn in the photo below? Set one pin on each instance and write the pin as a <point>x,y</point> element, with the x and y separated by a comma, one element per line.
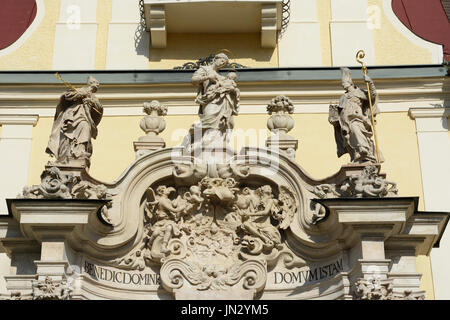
<point>280,123</point>
<point>153,124</point>
<point>280,120</point>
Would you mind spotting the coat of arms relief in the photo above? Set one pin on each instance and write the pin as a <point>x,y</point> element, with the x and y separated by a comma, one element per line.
<point>214,233</point>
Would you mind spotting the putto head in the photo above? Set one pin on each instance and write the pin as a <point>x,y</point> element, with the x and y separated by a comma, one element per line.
<point>160,190</point>
<point>266,189</point>
<point>164,191</point>
<point>232,75</point>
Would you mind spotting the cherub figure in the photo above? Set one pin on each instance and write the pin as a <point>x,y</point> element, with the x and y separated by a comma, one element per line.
<point>167,214</point>
<point>229,86</point>
<point>247,200</point>
<point>257,223</point>
<point>192,201</point>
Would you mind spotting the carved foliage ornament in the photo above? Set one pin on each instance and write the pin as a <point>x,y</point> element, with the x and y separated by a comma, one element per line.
<point>58,185</point>
<point>54,185</point>
<point>279,109</point>
<point>213,277</point>
<point>153,123</point>
<point>373,289</point>
<point>48,289</point>
<point>376,289</point>
<point>364,185</point>
<point>206,61</point>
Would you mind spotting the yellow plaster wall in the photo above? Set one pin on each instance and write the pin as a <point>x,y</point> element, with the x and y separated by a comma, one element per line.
<point>392,47</point>
<point>324,18</point>
<point>423,265</point>
<point>398,142</point>
<point>37,51</point>
<point>316,153</point>
<point>113,148</point>
<point>181,48</point>
<point>104,14</point>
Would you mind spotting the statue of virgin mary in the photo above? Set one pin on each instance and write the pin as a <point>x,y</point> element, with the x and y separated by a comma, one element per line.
<point>218,99</point>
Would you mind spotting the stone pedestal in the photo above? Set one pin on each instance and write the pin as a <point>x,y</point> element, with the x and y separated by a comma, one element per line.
<point>51,222</point>
<point>20,285</point>
<point>56,269</point>
<point>48,222</point>
<point>53,218</point>
<point>283,142</point>
<point>146,144</point>
<point>77,167</point>
<point>357,168</point>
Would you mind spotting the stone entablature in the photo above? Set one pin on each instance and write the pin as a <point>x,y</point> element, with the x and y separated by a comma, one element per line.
<point>309,90</point>
<point>201,221</point>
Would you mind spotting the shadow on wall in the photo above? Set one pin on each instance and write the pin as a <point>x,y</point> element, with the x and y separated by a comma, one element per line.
<point>446,87</point>
<point>191,47</point>
<point>24,263</point>
<point>141,41</point>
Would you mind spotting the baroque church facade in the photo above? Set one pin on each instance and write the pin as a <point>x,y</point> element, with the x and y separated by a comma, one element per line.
<point>265,149</point>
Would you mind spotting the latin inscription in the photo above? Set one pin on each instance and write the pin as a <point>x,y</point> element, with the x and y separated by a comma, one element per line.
<point>121,276</point>
<point>153,279</point>
<point>309,275</point>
